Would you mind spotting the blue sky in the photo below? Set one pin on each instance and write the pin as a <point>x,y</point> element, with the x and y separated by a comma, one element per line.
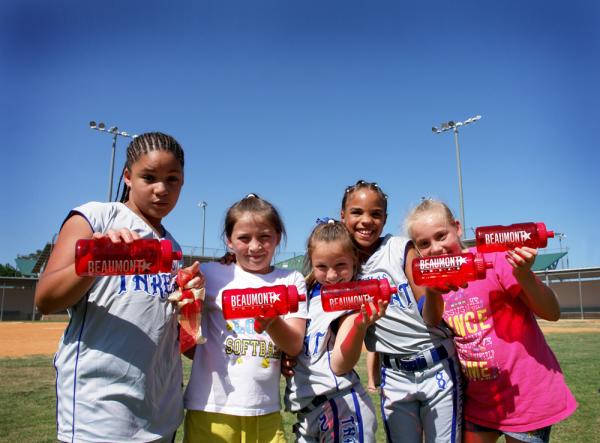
<point>296,100</point>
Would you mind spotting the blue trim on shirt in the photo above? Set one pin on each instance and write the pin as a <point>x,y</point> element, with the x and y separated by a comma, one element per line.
<point>420,304</point>
<point>75,212</point>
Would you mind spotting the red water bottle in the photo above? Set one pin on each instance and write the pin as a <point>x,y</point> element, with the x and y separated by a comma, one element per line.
<point>454,270</point>
<point>100,256</point>
<point>501,238</point>
<point>267,301</point>
<point>350,296</point>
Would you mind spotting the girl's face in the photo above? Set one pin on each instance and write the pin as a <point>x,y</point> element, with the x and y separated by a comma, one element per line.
<point>433,234</point>
<point>332,262</point>
<point>155,181</point>
<point>364,216</point>
<point>253,241</point>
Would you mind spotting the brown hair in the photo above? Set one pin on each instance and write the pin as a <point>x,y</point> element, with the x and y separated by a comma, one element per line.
<point>256,205</point>
<point>328,232</point>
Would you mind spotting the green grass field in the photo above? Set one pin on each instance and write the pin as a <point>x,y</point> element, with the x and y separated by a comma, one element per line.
<point>27,399</point>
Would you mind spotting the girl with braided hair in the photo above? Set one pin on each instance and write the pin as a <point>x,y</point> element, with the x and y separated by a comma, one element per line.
<point>118,370</point>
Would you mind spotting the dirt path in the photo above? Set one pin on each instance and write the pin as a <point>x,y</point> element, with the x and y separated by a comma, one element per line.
<point>20,339</point>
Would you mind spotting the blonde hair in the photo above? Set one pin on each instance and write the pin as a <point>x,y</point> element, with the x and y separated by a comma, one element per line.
<point>427,205</point>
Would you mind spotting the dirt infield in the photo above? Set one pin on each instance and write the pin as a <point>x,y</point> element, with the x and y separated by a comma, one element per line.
<point>20,339</point>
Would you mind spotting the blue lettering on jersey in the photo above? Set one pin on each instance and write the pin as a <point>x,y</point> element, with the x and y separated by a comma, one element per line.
<point>159,284</point>
<point>402,298</point>
<point>141,279</point>
<point>307,343</point>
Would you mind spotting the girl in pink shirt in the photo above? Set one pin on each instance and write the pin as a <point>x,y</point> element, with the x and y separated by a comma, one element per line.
<point>515,385</point>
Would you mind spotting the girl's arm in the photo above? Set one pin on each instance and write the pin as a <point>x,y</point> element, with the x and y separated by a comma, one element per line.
<point>540,298</point>
<point>59,286</point>
<point>351,335</point>
<point>288,335</point>
<point>433,308</point>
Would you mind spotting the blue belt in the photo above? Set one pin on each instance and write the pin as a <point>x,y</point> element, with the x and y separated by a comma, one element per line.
<point>417,362</point>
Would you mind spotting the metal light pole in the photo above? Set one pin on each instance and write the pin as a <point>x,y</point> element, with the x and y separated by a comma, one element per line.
<point>115,133</point>
<point>560,236</point>
<point>203,205</point>
<point>451,125</point>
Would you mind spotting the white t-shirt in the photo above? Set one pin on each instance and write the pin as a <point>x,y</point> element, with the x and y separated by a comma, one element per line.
<point>237,371</point>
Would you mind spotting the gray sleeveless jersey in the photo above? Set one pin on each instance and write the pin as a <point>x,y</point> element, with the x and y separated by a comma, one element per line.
<point>313,374</point>
<point>402,330</point>
<point>118,369</point>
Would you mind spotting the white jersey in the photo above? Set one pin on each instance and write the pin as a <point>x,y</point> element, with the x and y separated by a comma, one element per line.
<point>237,371</point>
<point>118,369</point>
<point>402,330</point>
<point>313,373</point>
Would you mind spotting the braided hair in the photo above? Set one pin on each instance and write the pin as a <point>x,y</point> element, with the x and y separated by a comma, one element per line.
<point>362,184</point>
<point>143,144</point>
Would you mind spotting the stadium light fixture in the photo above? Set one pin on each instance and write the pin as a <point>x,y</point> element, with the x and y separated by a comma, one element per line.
<point>114,131</point>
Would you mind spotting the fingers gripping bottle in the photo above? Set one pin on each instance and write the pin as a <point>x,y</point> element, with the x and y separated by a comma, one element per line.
<point>100,256</point>
<point>454,270</point>
<point>501,238</point>
<point>190,312</point>
<point>350,296</point>
<point>266,301</point>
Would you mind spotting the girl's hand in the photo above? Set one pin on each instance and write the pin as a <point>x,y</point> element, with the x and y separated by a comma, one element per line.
<point>118,236</point>
<point>443,289</point>
<point>195,278</point>
<point>521,259</point>
<point>370,313</point>
<point>287,365</point>
<point>191,282</point>
<point>262,323</point>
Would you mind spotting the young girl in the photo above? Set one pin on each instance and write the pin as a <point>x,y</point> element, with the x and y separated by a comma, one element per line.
<point>325,392</point>
<point>118,370</point>
<point>420,379</point>
<point>233,393</point>
<point>515,385</point>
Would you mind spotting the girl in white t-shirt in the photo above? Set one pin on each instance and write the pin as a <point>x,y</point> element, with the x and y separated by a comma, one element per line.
<point>233,392</point>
